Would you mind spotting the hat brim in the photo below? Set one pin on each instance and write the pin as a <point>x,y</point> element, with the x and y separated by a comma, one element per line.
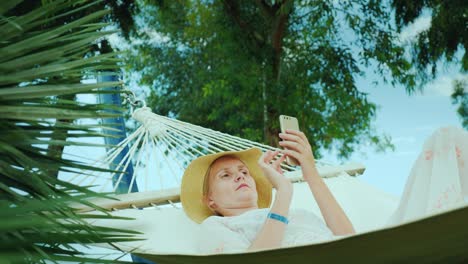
<point>191,194</point>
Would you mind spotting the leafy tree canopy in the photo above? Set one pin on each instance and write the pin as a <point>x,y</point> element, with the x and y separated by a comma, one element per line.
<point>235,66</point>
<point>446,36</point>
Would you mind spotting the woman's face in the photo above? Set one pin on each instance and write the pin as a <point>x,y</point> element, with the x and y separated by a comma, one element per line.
<point>230,185</point>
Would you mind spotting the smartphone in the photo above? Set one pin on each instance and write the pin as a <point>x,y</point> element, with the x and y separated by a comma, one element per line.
<point>289,122</point>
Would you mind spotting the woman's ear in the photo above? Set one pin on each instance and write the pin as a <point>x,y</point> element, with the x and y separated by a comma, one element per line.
<point>209,202</point>
<point>212,205</point>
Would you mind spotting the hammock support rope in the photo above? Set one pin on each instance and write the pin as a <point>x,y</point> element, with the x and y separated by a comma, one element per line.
<point>165,142</point>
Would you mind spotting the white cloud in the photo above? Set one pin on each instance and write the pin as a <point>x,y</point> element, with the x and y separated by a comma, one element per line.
<point>410,32</point>
<point>118,42</point>
<point>154,37</point>
<point>443,85</point>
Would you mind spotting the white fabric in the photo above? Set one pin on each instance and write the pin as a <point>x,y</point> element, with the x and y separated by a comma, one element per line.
<point>164,231</point>
<point>439,178</point>
<point>236,233</point>
<point>170,231</point>
<point>367,207</point>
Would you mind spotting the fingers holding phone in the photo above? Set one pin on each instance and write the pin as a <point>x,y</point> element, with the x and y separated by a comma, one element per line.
<point>289,123</point>
<point>295,143</point>
<point>297,148</point>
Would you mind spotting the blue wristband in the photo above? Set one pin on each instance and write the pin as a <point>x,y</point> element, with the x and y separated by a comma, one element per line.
<point>278,217</point>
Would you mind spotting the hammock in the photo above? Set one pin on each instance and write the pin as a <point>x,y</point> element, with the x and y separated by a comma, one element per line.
<point>174,144</point>
<point>439,239</point>
<point>167,230</point>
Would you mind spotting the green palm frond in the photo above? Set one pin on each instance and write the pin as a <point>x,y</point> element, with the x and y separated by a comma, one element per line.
<point>41,64</point>
<point>8,5</point>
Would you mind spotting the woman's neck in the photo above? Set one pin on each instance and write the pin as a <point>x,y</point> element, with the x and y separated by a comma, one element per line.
<point>236,211</point>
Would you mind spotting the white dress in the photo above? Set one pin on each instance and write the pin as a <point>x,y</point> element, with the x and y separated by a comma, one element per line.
<point>236,233</point>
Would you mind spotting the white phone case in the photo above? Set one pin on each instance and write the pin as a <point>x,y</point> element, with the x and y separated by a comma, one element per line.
<point>289,122</point>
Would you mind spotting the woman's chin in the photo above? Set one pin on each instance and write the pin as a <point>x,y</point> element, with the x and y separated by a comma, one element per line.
<point>248,198</point>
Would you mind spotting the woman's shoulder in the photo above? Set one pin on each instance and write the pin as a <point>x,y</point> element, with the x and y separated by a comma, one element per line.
<point>259,215</point>
<point>262,212</point>
<point>211,219</point>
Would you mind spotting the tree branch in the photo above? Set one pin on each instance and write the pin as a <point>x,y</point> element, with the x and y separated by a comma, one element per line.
<point>232,9</point>
<point>266,9</point>
<point>278,32</point>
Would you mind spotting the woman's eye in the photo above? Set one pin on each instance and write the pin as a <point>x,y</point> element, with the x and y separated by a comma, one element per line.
<point>224,175</point>
<point>245,172</point>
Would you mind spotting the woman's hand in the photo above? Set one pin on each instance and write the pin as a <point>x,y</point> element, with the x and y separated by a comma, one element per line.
<point>298,147</point>
<point>272,232</point>
<point>272,170</point>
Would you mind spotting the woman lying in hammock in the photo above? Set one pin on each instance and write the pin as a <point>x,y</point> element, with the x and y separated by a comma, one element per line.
<point>229,193</point>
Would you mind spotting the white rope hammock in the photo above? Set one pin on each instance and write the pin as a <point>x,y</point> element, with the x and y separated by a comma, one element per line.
<point>160,149</point>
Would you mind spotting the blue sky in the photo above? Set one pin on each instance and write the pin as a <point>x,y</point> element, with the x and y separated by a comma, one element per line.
<point>408,119</point>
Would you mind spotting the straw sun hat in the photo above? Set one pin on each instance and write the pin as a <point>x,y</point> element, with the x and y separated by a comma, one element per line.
<point>191,194</point>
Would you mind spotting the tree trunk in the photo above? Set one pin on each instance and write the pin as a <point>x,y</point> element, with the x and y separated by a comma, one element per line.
<point>278,15</point>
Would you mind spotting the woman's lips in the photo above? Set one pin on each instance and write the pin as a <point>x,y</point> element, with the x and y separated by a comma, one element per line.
<point>242,185</point>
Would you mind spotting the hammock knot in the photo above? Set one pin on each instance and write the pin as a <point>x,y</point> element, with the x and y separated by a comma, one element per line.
<point>150,121</point>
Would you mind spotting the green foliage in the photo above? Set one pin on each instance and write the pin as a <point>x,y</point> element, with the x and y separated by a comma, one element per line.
<point>460,97</point>
<point>120,15</point>
<point>235,66</point>
<point>446,36</point>
<point>40,71</point>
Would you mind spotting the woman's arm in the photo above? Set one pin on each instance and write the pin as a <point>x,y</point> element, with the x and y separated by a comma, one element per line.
<point>299,148</point>
<point>272,233</point>
<point>332,212</point>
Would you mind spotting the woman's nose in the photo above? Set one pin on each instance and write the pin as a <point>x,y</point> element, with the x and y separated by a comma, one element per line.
<point>239,176</point>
